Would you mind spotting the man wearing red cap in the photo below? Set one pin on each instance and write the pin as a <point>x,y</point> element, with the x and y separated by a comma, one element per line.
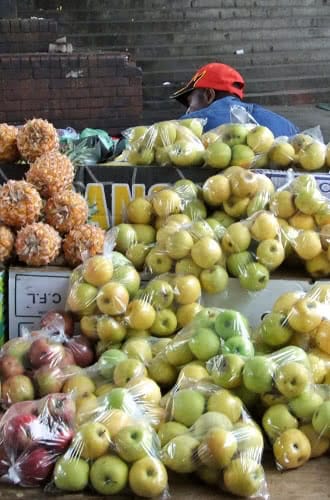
<point>215,89</point>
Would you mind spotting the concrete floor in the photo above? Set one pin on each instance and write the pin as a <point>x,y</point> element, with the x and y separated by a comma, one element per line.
<point>306,116</point>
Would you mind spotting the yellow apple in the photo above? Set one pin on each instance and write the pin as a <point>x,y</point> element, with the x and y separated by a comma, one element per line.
<point>260,139</point>
<point>265,226</point>
<point>313,156</point>
<point>244,184</point>
<point>166,202</point>
<point>97,270</point>
<point>216,190</point>
<point>206,252</point>
<point>140,314</point>
<point>186,313</point>
<point>282,204</point>
<point>282,154</point>
<point>307,244</point>
<point>187,289</point>
<point>112,299</point>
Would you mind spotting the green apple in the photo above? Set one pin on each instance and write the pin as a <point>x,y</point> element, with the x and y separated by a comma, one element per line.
<point>226,370</point>
<point>178,353</point>
<point>126,370</point>
<point>129,277</point>
<point>179,454</point>
<point>186,189</point>
<point>305,405</point>
<point>270,253</point>
<point>71,474</point>
<point>160,293</point>
<point>218,229</point>
<point>292,379</point>
<point>255,277</point>
<point>208,475</point>
<point>134,442</point>
<point>321,420</point>
<point>165,323</point>
<point>120,399</point>
<point>109,475</point>
<point>258,374</point>
<point>194,124</point>
<point>125,237</point>
<point>248,398</point>
<point>200,228</point>
<point>145,233</point>
<point>187,398</point>
<point>258,202</point>
<point>148,477</point>
<point>82,298</point>
<point>195,210</point>
<point>225,402</point>
<point>277,419</point>
<point>162,372</point>
<point>204,344</point>
<point>249,438</point>
<point>169,430</point>
<point>214,279</point>
<point>206,318</point>
<point>234,133</point>
<point>244,477</point>
<point>187,266</point>
<point>185,153</point>
<point>230,323</point>
<point>210,420</point>
<point>137,255</point>
<point>290,353</point>
<point>138,348</point>
<point>138,154</point>
<point>242,156</point>
<point>218,154</point>
<point>275,330</point>
<point>222,217</point>
<point>237,262</point>
<point>110,330</point>
<point>238,345</point>
<point>108,361</point>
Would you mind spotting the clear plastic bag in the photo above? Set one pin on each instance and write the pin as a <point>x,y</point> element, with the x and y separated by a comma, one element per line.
<point>166,143</point>
<point>112,451</point>
<point>33,434</point>
<point>216,439</point>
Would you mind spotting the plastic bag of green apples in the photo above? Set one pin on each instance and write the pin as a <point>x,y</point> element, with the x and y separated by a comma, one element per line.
<point>115,449</point>
<point>302,319</point>
<point>212,331</point>
<point>172,142</point>
<point>288,398</point>
<point>209,433</point>
<point>33,434</point>
<point>305,150</point>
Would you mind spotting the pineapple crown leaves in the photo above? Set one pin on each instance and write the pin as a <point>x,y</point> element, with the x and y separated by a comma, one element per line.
<point>80,152</point>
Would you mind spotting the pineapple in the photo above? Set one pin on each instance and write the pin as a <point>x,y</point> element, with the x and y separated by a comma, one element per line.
<point>37,244</point>
<point>83,242</point>
<point>7,240</point>
<point>66,210</point>
<point>8,143</point>
<point>51,173</point>
<point>35,138</point>
<point>20,203</point>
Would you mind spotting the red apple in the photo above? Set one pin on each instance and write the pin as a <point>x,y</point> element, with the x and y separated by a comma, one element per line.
<point>34,467</point>
<point>60,407</point>
<point>10,366</point>
<point>59,438</point>
<point>4,461</point>
<point>42,352</point>
<point>61,320</point>
<point>82,350</point>
<point>20,432</point>
<point>67,360</point>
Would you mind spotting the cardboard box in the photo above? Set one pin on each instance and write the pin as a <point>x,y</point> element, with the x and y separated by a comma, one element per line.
<point>255,305</point>
<point>108,189</point>
<point>34,291</point>
<point>2,306</point>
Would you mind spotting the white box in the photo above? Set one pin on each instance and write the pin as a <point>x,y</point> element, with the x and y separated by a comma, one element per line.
<point>34,291</point>
<point>254,305</point>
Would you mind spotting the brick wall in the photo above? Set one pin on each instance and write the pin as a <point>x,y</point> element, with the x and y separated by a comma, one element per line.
<point>26,35</point>
<point>83,90</point>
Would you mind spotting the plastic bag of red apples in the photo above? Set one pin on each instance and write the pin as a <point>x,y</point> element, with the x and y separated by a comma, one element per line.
<point>208,432</point>
<point>33,434</point>
<point>36,363</point>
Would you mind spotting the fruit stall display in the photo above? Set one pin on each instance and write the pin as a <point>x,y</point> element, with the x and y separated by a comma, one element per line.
<point>138,379</point>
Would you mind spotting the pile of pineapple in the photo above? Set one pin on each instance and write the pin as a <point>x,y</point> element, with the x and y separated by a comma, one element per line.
<point>42,219</point>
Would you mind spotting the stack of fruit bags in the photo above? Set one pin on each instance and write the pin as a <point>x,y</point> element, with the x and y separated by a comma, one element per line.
<point>38,362</point>
<point>33,434</point>
<point>115,449</point>
<point>243,142</point>
<point>43,218</point>
<point>215,439</point>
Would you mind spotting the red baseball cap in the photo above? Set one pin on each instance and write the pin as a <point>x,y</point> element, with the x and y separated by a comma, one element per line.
<point>215,76</point>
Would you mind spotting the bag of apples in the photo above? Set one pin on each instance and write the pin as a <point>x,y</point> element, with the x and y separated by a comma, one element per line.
<point>305,150</point>
<point>172,142</point>
<point>33,434</point>
<point>115,449</point>
<point>208,432</point>
<point>242,142</point>
<point>211,332</point>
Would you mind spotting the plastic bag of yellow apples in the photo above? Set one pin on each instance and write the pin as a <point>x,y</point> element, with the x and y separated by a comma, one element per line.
<point>210,332</point>
<point>287,398</point>
<point>305,150</point>
<point>300,319</point>
<point>172,142</point>
<point>114,450</point>
<point>209,433</point>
